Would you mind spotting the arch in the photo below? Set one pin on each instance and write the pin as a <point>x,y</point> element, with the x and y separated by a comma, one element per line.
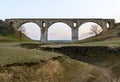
<point>59,31</point>
<point>89,29</point>
<point>11,24</point>
<point>24,22</point>
<point>74,24</point>
<point>58,21</point>
<point>43,24</point>
<point>108,24</point>
<point>31,30</point>
<point>99,22</point>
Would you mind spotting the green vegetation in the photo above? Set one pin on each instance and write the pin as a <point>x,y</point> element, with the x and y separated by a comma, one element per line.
<point>62,69</point>
<point>13,38</point>
<point>8,34</point>
<point>5,29</point>
<point>21,64</point>
<point>11,55</point>
<point>28,65</point>
<point>111,36</point>
<point>75,71</point>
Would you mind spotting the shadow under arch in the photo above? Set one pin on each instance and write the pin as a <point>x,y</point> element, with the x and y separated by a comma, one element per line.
<point>59,31</point>
<point>88,29</point>
<point>31,30</point>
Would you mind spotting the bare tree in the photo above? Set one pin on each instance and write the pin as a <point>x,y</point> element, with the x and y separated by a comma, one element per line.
<point>95,30</point>
<point>21,31</point>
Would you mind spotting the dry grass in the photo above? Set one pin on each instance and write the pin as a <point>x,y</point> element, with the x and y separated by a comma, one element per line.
<point>75,71</point>
<point>17,65</point>
<point>111,36</point>
<point>44,72</point>
<point>11,55</point>
<point>64,70</point>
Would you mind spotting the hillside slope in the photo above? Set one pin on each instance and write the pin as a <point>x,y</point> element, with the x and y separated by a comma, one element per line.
<point>8,34</point>
<point>14,38</point>
<point>32,65</point>
<point>109,36</point>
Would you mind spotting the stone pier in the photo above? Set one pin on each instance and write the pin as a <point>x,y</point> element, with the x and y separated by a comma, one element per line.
<point>74,24</point>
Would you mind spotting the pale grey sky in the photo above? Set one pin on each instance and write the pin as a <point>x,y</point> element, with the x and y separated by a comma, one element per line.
<point>60,9</point>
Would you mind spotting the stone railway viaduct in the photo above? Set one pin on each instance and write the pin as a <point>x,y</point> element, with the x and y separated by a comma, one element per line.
<point>74,24</point>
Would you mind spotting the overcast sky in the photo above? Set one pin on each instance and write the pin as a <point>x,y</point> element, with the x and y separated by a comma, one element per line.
<point>60,9</point>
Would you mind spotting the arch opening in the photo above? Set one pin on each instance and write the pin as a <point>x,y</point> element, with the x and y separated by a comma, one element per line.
<point>43,24</point>
<point>89,29</point>
<point>59,32</point>
<point>11,24</point>
<point>31,30</point>
<point>74,24</point>
<point>108,25</point>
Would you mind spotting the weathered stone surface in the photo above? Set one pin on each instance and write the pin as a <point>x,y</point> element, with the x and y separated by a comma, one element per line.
<point>73,23</point>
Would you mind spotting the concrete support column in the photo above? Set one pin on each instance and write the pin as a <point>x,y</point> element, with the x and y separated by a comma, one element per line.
<point>74,34</point>
<point>44,33</point>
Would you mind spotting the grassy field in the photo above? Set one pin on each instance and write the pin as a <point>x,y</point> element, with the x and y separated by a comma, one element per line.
<point>18,63</point>
<point>107,36</point>
<point>14,38</point>
<point>12,53</point>
<point>63,69</point>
